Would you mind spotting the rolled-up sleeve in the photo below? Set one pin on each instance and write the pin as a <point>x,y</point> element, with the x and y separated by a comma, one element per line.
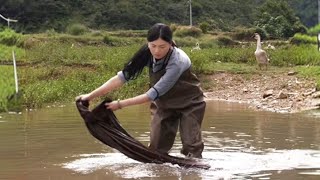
<point>121,76</point>
<point>152,93</point>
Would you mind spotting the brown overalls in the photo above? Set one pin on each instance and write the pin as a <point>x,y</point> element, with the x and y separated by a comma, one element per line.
<point>182,106</point>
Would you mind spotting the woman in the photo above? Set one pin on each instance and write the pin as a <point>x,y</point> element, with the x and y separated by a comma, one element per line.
<point>175,94</point>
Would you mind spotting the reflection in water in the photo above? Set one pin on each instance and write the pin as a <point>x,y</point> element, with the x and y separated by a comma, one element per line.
<point>53,143</point>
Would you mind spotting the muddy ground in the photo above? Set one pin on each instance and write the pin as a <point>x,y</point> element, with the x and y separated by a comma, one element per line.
<point>283,92</point>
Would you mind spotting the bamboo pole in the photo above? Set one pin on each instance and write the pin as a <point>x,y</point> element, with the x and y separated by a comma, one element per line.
<point>8,20</point>
<point>190,13</point>
<point>15,70</point>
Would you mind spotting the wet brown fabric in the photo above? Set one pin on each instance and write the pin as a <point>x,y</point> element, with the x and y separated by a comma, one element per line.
<point>103,125</point>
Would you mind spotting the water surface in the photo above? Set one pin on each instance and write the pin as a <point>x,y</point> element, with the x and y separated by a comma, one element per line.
<point>53,143</point>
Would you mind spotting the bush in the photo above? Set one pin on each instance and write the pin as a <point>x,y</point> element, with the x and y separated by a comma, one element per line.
<point>184,31</point>
<point>9,37</point>
<point>314,30</point>
<point>298,27</point>
<point>226,41</point>
<point>278,19</point>
<point>77,29</point>
<point>173,27</point>
<point>204,27</point>
<point>51,32</point>
<point>303,39</point>
<point>247,34</point>
<point>107,40</point>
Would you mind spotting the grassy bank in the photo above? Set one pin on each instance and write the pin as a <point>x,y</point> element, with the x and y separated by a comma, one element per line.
<point>55,68</point>
<point>7,86</point>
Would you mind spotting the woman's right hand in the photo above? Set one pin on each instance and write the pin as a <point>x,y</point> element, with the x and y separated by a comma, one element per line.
<point>83,97</point>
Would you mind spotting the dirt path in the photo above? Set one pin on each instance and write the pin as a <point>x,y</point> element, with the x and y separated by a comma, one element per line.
<point>273,91</point>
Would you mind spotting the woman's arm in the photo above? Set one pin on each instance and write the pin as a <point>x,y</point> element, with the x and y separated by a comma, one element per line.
<point>113,83</point>
<point>115,105</point>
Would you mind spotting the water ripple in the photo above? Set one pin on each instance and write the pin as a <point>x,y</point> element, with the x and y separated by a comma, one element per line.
<point>223,164</point>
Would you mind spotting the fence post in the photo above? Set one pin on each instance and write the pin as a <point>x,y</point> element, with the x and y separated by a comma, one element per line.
<point>15,70</point>
<point>318,37</point>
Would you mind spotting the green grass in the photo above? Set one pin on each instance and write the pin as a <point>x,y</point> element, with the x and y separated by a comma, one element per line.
<point>59,67</point>
<point>312,72</point>
<point>7,85</point>
<point>6,53</point>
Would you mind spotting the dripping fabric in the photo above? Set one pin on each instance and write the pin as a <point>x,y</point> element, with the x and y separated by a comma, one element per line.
<point>104,125</point>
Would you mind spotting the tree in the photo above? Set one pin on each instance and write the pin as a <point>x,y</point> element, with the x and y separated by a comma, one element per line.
<point>278,19</point>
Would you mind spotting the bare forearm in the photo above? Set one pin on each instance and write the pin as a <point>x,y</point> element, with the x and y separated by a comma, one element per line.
<point>113,83</point>
<point>134,101</point>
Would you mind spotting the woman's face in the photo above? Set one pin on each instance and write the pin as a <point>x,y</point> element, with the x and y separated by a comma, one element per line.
<point>159,48</point>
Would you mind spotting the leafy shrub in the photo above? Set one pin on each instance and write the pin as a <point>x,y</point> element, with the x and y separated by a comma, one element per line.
<point>298,27</point>
<point>303,39</point>
<point>247,34</point>
<point>51,32</point>
<point>226,41</point>
<point>107,39</point>
<point>204,27</point>
<point>173,27</point>
<point>10,37</point>
<point>278,19</point>
<point>314,30</point>
<point>77,29</point>
<point>184,31</point>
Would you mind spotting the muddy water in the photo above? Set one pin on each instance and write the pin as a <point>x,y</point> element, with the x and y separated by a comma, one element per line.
<point>53,143</point>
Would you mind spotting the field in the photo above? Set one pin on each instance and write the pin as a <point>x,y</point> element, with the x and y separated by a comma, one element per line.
<point>55,68</point>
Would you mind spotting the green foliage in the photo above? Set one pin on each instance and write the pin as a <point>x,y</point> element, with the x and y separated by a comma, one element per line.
<point>278,19</point>
<point>60,88</point>
<point>207,60</point>
<point>61,67</point>
<point>310,72</point>
<point>51,32</point>
<point>241,33</point>
<point>6,54</point>
<point>307,11</point>
<point>10,37</point>
<point>77,29</point>
<point>226,41</point>
<point>173,27</point>
<point>293,55</point>
<point>303,39</point>
<point>313,31</point>
<point>204,27</point>
<point>184,31</point>
<point>107,40</point>
<point>7,86</point>
<point>39,16</point>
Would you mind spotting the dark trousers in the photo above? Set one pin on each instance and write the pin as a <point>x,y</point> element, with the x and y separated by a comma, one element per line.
<point>165,123</point>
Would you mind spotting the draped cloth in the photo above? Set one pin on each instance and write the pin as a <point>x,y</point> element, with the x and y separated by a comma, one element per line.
<point>104,126</point>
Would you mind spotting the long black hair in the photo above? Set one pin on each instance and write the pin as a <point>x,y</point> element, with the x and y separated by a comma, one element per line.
<point>143,56</point>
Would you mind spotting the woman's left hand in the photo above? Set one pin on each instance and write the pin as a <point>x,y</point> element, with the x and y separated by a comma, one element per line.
<point>114,105</point>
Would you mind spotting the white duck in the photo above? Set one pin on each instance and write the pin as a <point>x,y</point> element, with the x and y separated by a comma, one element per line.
<point>261,55</point>
<point>197,47</point>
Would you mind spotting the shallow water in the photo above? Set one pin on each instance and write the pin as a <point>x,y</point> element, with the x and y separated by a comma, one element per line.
<point>53,143</point>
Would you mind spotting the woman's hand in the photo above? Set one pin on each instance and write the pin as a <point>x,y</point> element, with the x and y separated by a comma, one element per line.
<point>114,105</point>
<point>83,97</point>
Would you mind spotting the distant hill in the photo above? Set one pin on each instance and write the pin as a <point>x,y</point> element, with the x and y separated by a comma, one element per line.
<point>39,16</point>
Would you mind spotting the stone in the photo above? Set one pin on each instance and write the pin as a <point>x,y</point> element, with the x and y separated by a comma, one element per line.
<point>316,94</point>
<point>267,93</point>
<point>291,73</point>
<point>282,95</point>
